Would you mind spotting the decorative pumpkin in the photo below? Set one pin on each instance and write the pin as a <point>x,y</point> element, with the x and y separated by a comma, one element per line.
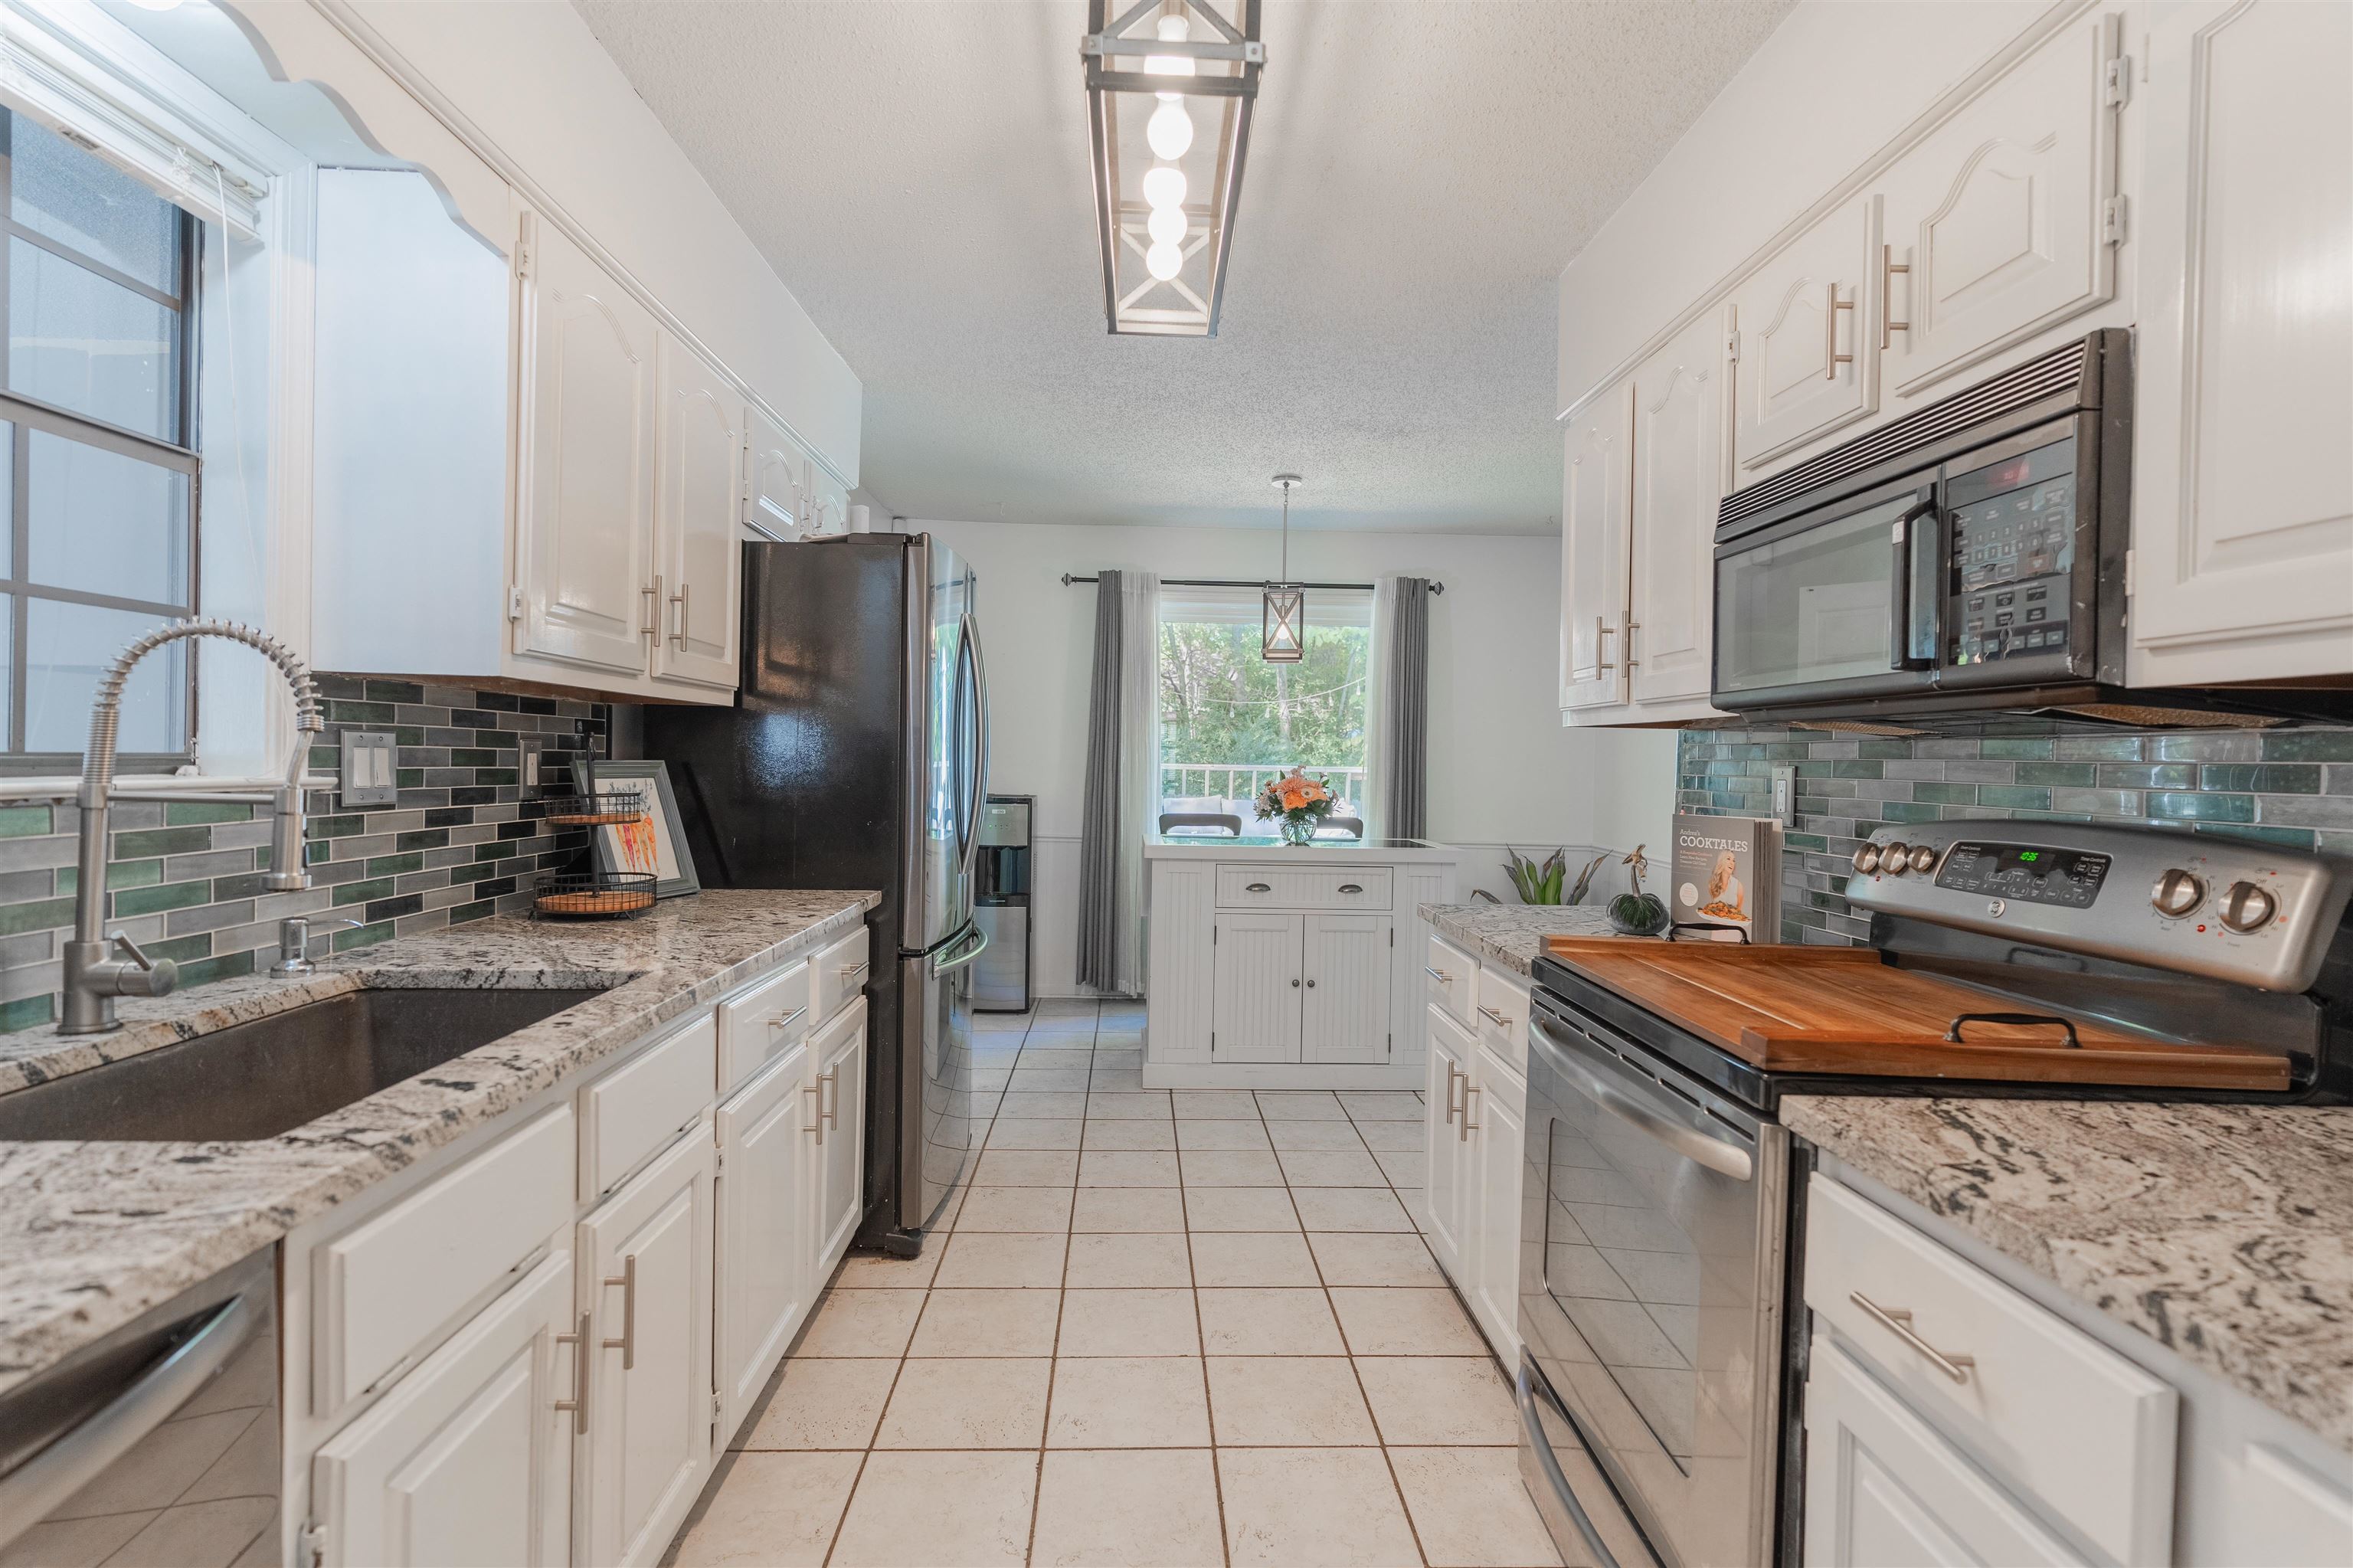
<point>1638,913</point>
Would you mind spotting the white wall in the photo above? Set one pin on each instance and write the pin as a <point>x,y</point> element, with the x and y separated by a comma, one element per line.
<point>1502,769</point>
<point>1835,81</point>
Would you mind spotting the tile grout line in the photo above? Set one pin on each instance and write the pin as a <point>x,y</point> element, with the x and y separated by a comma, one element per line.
<point>1062,1303</point>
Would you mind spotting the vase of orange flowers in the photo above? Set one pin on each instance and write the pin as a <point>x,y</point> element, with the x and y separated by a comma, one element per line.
<point>1297,803</point>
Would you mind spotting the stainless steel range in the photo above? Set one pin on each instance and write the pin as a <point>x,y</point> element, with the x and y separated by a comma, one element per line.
<point>1659,1233</point>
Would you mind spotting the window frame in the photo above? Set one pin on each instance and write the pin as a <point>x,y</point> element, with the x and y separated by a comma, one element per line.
<point>27,415</point>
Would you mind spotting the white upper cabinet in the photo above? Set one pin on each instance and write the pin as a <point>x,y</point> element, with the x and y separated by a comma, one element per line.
<point>697,567</point>
<point>1805,359</point>
<point>830,501</point>
<point>585,506</point>
<point>1996,221</point>
<point>2242,532</point>
<point>1678,479</point>
<point>1593,552</point>
<point>777,498</point>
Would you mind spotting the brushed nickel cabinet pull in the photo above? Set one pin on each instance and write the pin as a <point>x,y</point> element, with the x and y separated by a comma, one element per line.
<point>1897,1321</point>
<point>1633,626</point>
<point>578,1403</point>
<point>787,1021</point>
<point>1440,976</point>
<point>829,1105</point>
<point>817,1127</point>
<point>1352,887</point>
<point>1495,1018</point>
<point>1452,1106</point>
<point>1467,1126</point>
<point>678,638</point>
<point>1888,268</point>
<point>1602,629</point>
<point>1830,324</point>
<point>628,1343</point>
<point>651,630</point>
<point>1258,888</point>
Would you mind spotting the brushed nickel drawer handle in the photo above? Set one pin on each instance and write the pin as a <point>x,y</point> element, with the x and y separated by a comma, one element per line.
<point>1440,976</point>
<point>1258,888</point>
<point>788,1019</point>
<point>1897,1321</point>
<point>857,969</point>
<point>628,1343</point>
<point>1495,1018</point>
<point>1352,887</point>
<point>578,1403</point>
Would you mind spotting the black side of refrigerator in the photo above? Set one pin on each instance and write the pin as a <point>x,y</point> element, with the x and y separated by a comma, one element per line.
<point>803,782</point>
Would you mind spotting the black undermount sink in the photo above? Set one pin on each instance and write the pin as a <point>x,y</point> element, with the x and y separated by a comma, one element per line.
<point>256,1080</point>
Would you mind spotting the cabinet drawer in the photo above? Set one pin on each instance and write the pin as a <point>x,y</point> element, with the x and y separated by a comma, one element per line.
<point>384,1291</point>
<point>1302,887</point>
<point>1502,1018</point>
<point>757,1024</point>
<point>837,974</point>
<point>637,1107</point>
<point>1453,977</point>
<point>2060,1414</point>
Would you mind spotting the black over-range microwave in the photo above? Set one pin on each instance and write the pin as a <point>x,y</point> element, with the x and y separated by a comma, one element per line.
<point>1963,561</point>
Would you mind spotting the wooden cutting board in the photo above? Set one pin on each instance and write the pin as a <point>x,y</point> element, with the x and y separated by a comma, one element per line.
<point>1842,1009</point>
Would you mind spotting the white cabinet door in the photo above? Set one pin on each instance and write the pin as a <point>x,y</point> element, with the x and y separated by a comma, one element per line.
<point>1448,1222</point>
<point>1498,1144</point>
<point>1678,470</point>
<point>836,1100</point>
<point>1998,213</point>
<point>467,1460</point>
<point>584,510</point>
<point>762,1279</point>
<point>1346,1012</point>
<point>2243,523</point>
<point>697,568</point>
<point>1593,552</point>
<point>776,499</point>
<point>830,503</point>
<point>646,1257</point>
<point>1806,360</point>
<point>1257,992</point>
<point>1881,1486</point>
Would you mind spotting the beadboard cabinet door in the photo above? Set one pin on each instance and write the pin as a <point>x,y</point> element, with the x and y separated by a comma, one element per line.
<point>1805,350</point>
<point>1593,552</point>
<point>1995,220</point>
<point>2242,493</point>
<point>584,504</point>
<point>1678,479</point>
<point>697,568</point>
<point>1256,1014</point>
<point>1344,1015</point>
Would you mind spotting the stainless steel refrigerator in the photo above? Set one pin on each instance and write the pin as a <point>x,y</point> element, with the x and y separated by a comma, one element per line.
<point>857,756</point>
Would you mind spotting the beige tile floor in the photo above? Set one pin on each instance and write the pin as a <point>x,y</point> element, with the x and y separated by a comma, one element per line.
<point>1188,1328</point>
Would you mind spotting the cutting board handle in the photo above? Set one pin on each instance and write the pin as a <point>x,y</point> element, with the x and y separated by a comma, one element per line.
<point>1953,1033</point>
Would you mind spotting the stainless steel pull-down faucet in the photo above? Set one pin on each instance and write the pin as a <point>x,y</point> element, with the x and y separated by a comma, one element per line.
<point>94,976</point>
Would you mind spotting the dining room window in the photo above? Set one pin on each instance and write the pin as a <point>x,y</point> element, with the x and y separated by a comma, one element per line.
<point>1230,722</point>
<point>98,450</point>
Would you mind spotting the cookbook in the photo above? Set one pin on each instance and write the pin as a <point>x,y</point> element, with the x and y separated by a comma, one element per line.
<point>1726,874</point>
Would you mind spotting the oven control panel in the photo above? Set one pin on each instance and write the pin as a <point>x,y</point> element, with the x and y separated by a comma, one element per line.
<point>2244,913</point>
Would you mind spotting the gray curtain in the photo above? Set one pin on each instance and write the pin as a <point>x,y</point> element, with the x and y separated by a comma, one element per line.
<point>1401,648</point>
<point>1098,829</point>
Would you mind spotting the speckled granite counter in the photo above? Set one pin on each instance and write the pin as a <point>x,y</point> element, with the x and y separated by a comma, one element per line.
<point>2223,1232</point>
<point>91,1235</point>
<point>1512,934</point>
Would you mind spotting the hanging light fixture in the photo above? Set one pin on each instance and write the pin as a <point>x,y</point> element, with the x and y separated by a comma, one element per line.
<point>1282,637</point>
<point>1169,89</point>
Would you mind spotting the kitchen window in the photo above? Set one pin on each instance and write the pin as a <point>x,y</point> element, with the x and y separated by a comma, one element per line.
<point>1230,723</point>
<point>97,452</point>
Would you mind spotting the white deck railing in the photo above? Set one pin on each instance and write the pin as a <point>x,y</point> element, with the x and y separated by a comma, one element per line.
<point>1242,780</point>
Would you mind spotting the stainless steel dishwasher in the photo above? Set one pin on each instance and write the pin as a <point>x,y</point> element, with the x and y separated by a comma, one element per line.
<point>156,1443</point>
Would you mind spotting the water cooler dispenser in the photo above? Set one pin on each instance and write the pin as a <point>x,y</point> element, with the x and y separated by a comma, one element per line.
<point>1000,979</point>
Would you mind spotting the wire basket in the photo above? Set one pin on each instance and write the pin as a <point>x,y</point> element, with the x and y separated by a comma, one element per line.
<point>594,896</point>
<point>613,809</point>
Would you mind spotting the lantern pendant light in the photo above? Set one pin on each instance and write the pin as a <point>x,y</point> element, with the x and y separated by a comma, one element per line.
<point>1283,636</point>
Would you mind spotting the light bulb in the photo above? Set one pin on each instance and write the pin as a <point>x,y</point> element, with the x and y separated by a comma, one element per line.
<point>1168,225</point>
<point>1170,132</point>
<point>1164,187</point>
<point>1171,30</point>
<point>1163,260</point>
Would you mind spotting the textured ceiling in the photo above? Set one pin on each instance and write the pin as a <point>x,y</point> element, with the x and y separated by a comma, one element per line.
<point>1418,173</point>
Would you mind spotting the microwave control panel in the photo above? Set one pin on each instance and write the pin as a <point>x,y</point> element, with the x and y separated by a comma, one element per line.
<point>2013,555</point>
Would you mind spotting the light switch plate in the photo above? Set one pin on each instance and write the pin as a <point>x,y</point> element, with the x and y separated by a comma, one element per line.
<point>369,779</point>
<point>1784,794</point>
<point>529,775</point>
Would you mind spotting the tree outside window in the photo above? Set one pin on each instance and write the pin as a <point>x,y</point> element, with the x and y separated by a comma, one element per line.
<point>1229,721</point>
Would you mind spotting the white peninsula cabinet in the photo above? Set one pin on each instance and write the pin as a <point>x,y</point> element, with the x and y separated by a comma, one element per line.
<point>1282,968</point>
<point>533,1348</point>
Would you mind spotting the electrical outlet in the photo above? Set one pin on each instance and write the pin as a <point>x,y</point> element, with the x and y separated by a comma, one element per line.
<point>1784,794</point>
<point>368,775</point>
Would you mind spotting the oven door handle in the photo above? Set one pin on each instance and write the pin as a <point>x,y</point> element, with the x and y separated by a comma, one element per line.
<point>1903,608</point>
<point>1717,1155</point>
<point>1532,1427</point>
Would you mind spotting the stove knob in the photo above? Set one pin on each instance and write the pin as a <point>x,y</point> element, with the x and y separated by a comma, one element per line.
<point>1866,858</point>
<point>2176,893</point>
<point>2246,908</point>
<point>1924,859</point>
<point>1896,859</point>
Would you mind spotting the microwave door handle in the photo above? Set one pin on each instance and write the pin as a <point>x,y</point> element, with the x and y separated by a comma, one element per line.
<point>1901,609</point>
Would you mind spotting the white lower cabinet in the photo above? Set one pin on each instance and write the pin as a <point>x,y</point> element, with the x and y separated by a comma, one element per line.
<point>766,1187</point>
<point>646,1289</point>
<point>1476,1124</point>
<point>837,1097</point>
<point>468,1459</point>
<point>1498,1139</point>
<point>1448,1209</point>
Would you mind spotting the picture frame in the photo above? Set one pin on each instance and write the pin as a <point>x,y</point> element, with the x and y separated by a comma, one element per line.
<point>658,844</point>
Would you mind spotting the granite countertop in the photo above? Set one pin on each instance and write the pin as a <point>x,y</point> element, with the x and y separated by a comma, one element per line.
<point>91,1235</point>
<point>2224,1232</point>
<point>1512,934</point>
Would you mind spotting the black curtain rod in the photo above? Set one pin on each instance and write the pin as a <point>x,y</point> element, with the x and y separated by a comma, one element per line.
<point>1237,583</point>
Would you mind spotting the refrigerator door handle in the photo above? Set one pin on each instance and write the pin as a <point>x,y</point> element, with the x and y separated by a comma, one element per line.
<point>978,787</point>
<point>941,964</point>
